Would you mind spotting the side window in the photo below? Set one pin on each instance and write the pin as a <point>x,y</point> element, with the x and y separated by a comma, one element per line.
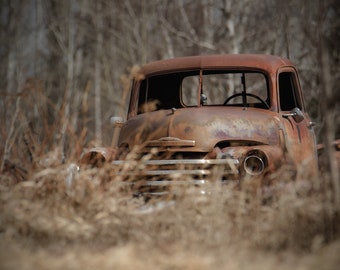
<point>288,92</point>
<point>159,93</point>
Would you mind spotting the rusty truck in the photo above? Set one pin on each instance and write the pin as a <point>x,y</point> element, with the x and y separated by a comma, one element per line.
<point>241,113</point>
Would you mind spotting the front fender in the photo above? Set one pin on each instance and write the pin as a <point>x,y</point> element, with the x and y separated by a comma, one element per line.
<point>273,156</point>
<point>97,156</point>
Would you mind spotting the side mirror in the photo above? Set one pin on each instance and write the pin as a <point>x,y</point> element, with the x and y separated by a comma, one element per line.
<point>296,114</point>
<point>117,123</point>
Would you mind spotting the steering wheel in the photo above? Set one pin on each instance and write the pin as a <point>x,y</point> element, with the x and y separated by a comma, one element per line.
<point>247,94</point>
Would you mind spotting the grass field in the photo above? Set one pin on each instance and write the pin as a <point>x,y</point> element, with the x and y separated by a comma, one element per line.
<point>47,224</point>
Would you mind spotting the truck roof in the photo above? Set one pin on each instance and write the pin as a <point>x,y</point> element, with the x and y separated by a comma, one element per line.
<point>268,63</point>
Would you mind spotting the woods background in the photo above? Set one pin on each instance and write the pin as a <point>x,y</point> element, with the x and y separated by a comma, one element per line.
<point>64,64</point>
<point>65,69</point>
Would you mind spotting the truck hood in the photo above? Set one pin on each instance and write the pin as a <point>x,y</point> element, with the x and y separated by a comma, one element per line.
<point>201,128</point>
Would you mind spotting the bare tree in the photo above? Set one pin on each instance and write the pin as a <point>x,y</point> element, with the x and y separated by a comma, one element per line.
<point>97,71</point>
<point>328,106</point>
<point>80,49</point>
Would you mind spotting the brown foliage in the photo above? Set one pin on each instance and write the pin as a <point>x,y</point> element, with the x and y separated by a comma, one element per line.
<point>49,212</point>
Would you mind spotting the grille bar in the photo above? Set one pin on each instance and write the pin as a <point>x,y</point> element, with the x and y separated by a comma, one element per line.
<point>176,182</point>
<point>181,161</point>
<point>195,167</point>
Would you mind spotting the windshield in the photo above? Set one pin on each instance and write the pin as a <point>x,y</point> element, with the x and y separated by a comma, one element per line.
<point>204,88</point>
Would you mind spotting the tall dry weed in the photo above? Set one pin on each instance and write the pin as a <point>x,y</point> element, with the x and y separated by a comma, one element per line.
<point>46,209</point>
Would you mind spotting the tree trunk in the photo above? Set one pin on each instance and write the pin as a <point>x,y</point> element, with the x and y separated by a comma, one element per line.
<point>97,73</point>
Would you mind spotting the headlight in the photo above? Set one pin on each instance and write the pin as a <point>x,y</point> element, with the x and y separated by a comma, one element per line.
<point>255,162</point>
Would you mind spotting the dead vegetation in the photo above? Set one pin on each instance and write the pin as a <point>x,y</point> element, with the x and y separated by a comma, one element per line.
<point>48,222</point>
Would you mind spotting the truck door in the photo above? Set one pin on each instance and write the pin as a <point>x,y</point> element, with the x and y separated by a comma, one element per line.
<point>299,133</point>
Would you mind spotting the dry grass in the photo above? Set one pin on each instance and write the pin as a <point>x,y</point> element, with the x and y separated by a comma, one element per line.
<point>45,223</point>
